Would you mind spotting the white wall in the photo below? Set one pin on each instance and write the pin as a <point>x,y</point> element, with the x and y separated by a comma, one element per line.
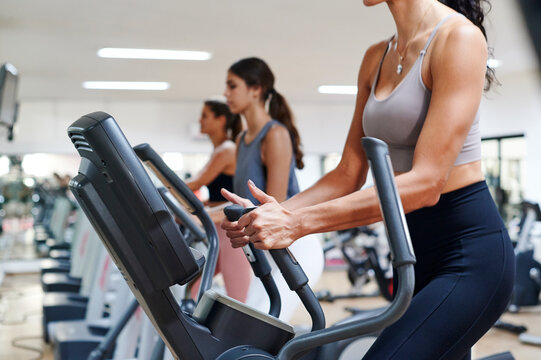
<point>170,126</point>
<point>167,126</point>
<point>515,107</point>
<point>42,125</point>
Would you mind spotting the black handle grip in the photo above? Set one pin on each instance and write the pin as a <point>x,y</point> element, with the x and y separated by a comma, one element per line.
<point>291,270</point>
<point>259,263</point>
<point>390,204</point>
<point>296,277</point>
<point>235,212</point>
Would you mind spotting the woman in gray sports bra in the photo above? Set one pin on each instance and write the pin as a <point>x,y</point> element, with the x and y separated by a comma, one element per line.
<point>420,92</point>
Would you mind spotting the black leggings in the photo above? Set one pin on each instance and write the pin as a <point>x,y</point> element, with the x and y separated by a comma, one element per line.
<point>463,279</point>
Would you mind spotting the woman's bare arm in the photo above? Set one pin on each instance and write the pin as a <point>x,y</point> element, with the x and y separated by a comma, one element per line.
<point>276,155</point>
<point>350,174</point>
<point>221,158</point>
<point>458,81</point>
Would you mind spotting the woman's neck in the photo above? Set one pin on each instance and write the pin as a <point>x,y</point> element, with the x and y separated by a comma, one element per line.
<point>217,139</point>
<point>410,16</point>
<point>256,118</point>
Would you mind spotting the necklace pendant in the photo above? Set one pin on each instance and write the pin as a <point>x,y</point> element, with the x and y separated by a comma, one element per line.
<point>399,69</point>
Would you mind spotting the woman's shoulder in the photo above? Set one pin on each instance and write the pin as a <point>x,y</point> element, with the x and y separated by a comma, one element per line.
<point>456,37</point>
<point>226,148</point>
<point>227,145</point>
<point>371,60</point>
<point>277,129</point>
<point>374,54</point>
<point>375,51</point>
<point>276,137</point>
<point>459,32</point>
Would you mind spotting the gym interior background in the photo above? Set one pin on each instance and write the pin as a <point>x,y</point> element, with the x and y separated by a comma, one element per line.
<point>308,44</point>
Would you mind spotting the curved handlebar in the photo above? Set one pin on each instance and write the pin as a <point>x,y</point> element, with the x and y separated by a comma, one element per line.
<point>390,204</point>
<point>404,258</point>
<point>186,197</point>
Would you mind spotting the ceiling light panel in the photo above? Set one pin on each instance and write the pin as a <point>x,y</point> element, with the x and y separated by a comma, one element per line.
<point>126,85</point>
<point>338,89</point>
<point>153,54</point>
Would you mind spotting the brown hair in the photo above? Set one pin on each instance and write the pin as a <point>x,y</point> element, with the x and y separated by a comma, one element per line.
<point>233,122</point>
<point>255,72</point>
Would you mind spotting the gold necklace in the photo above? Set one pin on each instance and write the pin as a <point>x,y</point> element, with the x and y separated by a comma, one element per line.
<point>399,67</point>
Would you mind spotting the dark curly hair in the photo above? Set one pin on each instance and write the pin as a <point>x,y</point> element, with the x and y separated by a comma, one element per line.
<point>475,11</point>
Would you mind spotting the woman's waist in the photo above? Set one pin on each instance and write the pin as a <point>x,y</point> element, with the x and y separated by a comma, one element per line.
<point>464,212</point>
<point>460,176</point>
<point>463,175</point>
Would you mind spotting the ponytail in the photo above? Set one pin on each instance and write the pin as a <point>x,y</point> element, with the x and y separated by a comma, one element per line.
<point>234,126</point>
<point>279,110</point>
<point>233,122</point>
<point>474,11</point>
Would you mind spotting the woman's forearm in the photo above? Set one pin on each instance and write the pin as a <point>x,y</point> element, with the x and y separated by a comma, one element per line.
<point>362,207</point>
<point>193,185</point>
<point>332,185</point>
<point>341,213</point>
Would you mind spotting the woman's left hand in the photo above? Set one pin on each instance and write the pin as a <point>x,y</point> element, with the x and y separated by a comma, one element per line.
<point>270,226</point>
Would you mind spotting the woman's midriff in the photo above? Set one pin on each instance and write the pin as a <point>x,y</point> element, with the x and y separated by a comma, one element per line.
<point>462,175</point>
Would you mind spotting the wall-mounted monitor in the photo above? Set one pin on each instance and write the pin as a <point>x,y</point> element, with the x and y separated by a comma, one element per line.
<point>8,95</point>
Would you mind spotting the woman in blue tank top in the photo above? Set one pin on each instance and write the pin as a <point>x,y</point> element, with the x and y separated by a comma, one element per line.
<point>420,92</point>
<point>267,154</point>
<point>222,127</point>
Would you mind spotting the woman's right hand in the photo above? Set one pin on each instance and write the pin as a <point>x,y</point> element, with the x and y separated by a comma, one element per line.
<point>233,231</point>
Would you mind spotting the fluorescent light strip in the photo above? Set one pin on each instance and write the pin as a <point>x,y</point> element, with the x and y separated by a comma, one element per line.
<point>352,89</point>
<point>338,89</point>
<point>125,85</point>
<point>11,69</point>
<point>494,63</point>
<point>153,54</point>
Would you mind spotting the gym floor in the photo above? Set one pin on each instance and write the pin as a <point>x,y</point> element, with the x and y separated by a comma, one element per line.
<point>21,298</point>
<point>495,341</point>
<point>20,314</point>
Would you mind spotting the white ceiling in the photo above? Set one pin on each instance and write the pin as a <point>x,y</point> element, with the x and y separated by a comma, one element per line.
<point>307,43</point>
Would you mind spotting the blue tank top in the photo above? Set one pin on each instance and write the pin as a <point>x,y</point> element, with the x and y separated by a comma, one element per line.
<point>250,166</point>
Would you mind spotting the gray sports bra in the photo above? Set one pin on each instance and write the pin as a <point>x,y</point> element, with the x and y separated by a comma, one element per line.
<point>398,119</point>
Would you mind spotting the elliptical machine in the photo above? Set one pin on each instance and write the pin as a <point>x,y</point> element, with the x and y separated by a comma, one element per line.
<point>132,220</point>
